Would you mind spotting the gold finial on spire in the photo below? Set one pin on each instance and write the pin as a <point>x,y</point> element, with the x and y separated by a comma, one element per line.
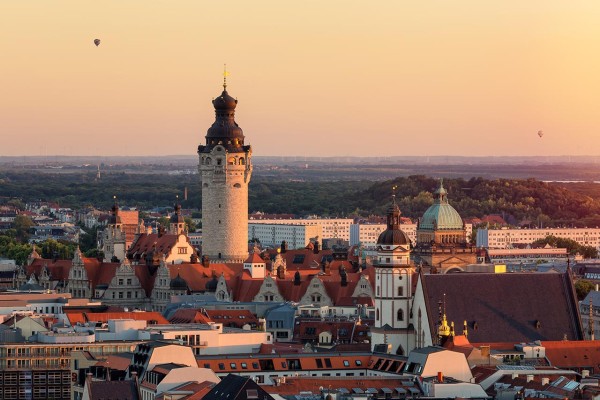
<point>225,74</point>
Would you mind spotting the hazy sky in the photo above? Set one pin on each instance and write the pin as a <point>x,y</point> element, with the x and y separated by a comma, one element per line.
<point>313,78</point>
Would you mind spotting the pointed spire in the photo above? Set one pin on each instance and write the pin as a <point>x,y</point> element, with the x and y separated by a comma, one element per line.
<point>225,74</point>
<point>440,193</point>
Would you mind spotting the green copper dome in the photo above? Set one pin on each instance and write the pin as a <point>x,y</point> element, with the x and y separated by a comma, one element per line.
<point>441,215</point>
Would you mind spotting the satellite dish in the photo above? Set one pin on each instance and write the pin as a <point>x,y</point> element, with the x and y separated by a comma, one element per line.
<point>540,133</point>
<point>97,42</point>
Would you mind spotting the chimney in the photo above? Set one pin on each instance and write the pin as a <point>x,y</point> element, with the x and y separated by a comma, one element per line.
<point>316,247</point>
<point>545,381</point>
<point>529,378</point>
<point>205,261</point>
<point>440,377</point>
<point>283,247</point>
<point>585,373</point>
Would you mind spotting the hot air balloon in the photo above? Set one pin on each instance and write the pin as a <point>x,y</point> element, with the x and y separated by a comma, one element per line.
<point>97,42</point>
<point>540,133</point>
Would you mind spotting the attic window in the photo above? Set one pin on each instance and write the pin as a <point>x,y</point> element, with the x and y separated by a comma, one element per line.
<point>221,366</point>
<point>244,365</point>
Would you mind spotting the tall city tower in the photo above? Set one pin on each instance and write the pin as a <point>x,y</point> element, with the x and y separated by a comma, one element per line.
<point>393,289</point>
<point>225,168</point>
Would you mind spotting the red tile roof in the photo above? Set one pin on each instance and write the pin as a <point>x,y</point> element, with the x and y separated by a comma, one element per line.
<point>151,316</point>
<point>189,316</point>
<point>574,354</point>
<point>147,242</point>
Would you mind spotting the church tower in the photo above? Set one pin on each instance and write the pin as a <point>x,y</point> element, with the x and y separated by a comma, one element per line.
<point>225,168</point>
<point>394,272</point>
<point>113,241</point>
<point>177,222</point>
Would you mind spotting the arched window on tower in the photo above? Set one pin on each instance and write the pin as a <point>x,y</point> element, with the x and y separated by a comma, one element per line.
<point>377,314</point>
<point>400,315</point>
<point>231,161</point>
<point>208,161</point>
<point>242,161</point>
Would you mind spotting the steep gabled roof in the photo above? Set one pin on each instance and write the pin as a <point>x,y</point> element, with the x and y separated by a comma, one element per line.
<point>516,307</point>
<point>234,387</point>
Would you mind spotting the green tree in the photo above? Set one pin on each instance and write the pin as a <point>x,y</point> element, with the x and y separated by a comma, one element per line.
<point>60,249</point>
<point>190,224</point>
<point>22,224</point>
<point>583,287</point>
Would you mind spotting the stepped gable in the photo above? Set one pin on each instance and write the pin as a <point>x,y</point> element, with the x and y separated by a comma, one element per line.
<point>58,270</point>
<point>197,275</point>
<point>517,307</point>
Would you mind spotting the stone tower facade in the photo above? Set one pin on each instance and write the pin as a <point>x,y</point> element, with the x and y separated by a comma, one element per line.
<point>114,239</point>
<point>225,168</point>
<point>393,289</point>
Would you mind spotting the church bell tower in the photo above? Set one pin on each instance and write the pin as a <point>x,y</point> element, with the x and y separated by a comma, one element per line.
<point>225,168</point>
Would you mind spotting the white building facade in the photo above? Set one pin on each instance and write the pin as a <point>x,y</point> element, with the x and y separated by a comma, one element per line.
<point>502,238</point>
<point>296,236</point>
<point>331,228</point>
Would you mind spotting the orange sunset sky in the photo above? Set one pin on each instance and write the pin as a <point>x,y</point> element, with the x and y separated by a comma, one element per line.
<point>313,78</point>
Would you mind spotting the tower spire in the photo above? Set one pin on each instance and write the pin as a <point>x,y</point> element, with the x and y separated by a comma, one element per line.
<point>225,73</point>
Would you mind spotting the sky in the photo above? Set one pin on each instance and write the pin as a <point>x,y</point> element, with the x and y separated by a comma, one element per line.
<point>312,77</point>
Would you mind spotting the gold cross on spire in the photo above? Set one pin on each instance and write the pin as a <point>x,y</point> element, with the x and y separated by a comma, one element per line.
<point>225,74</point>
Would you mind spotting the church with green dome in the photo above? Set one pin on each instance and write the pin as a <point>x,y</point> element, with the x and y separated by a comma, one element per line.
<point>442,242</point>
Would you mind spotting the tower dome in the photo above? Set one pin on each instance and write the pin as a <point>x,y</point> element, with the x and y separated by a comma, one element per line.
<point>393,235</point>
<point>224,102</point>
<point>177,218</point>
<point>178,283</point>
<point>441,215</point>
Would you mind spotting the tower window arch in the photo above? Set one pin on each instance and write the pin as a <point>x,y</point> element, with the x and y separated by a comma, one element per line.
<point>242,161</point>
<point>400,315</point>
<point>377,314</point>
<point>231,161</point>
<point>219,161</point>
<point>208,161</point>
<point>237,186</point>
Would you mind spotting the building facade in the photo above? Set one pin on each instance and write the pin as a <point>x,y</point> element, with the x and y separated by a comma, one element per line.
<point>504,238</point>
<point>225,169</point>
<point>393,289</point>
<point>271,235</point>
